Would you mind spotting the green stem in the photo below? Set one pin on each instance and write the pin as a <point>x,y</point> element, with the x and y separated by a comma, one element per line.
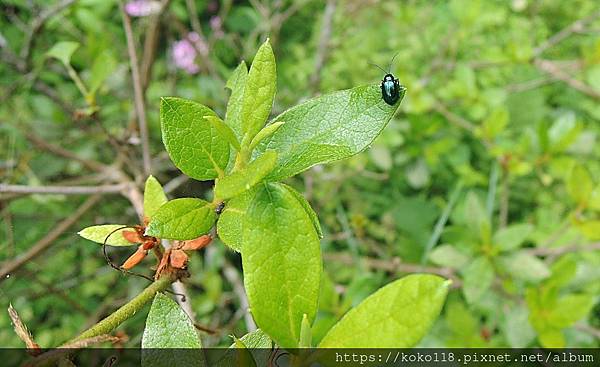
<point>126,311</point>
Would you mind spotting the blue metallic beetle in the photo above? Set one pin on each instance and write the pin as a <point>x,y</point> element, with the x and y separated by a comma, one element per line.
<point>391,89</point>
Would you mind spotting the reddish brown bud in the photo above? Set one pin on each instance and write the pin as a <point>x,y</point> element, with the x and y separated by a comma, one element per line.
<point>132,236</point>
<point>196,244</point>
<point>178,259</point>
<point>135,259</point>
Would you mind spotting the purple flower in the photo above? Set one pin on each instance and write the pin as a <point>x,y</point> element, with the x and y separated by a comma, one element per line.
<point>142,8</point>
<point>216,24</point>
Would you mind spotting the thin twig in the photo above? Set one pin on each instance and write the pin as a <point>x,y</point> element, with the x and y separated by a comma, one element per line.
<point>137,91</point>
<point>43,244</point>
<point>37,24</point>
<point>150,44</point>
<point>62,190</point>
<point>574,27</point>
<point>22,331</point>
<point>395,266</point>
<point>561,250</point>
<point>550,68</point>
<point>233,277</point>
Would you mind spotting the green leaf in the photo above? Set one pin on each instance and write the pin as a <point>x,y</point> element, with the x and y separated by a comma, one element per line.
<point>570,309</point>
<point>242,356</point>
<point>63,51</point>
<point>281,258</point>
<point>99,234</point>
<point>511,237</point>
<point>192,142</point>
<point>477,279</point>
<point>257,339</point>
<point>309,210</point>
<point>265,133</point>
<point>154,197</point>
<point>449,256</point>
<point>259,92</point>
<point>327,128</point>
<point>168,330</point>
<point>579,185</point>
<point>396,316</point>
<point>589,228</point>
<point>305,333</point>
<point>525,266</point>
<point>229,226</point>
<point>182,219</point>
<point>104,65</point>
<point>236,83</point>
<point>224,130</point>
<point>243,180</point>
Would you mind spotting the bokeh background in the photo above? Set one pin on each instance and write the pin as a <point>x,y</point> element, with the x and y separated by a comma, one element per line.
<point>489,174</point>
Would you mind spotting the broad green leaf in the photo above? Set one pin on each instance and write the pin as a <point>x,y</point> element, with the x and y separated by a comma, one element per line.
<point>519,332</point>
<point>309,210</point>
<point>265,133</point>
<point>396,316</point>
<point>281,258</point>
<point>63,51</point>
<point>551,338</point>
<point>464,326</point>
<point>182,219</point>
<point>168,331</point>
<point>242,357</point>
<point>477,279</point>
<point>100,233</point>
<point>192,142</point>
<point>511,237</point>
<point>236,83</point>
<point>525,266</point>
<point>589,228</point>
<point>229,226</point>
<point>104,65</point>
<point>569,309</point>
<point>243,180</point>
<point>449,256</point>
<point>475,215</point>
<point>327,128</point>
<point>595,199</point>
<point>563,271</point>
<point>259,92</point>
<point>579,185</point>
<point>257,339</point>
<point>225,131</point>
<point>154,197</point>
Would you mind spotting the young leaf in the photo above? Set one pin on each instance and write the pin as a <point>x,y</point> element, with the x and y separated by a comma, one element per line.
<point>182,219</point>
<point>522,265</point>
<point>259,92</point>
<point>511,237</point>
<point>154,197</point>
<point>168,331</point>
<point>224,130</point>
<point>103,66</point>
<point>477,279</point>
<point>309,210</point>
<point>396,316</point>
<point>326,129</point>
<point>236,83</point>
<point>305,333</point>
<point>63,51</point>
<point>240,181</point>
<point>281,258</point>
<point>192,142</point>
<point>448,255</point>
<point>579,185</point>
<point>229,226</point>
<point>99,234</point>
<point>265,133</point>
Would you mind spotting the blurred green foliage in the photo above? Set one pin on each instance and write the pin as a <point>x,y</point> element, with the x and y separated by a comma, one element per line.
<point>489,174</point>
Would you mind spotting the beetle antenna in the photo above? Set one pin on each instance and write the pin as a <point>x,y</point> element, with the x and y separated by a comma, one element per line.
<point>391,62</point>
<point>380,68</point>
<point>113,265</point>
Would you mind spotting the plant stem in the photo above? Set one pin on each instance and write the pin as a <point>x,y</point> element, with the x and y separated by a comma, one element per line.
<point>126,311</point>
